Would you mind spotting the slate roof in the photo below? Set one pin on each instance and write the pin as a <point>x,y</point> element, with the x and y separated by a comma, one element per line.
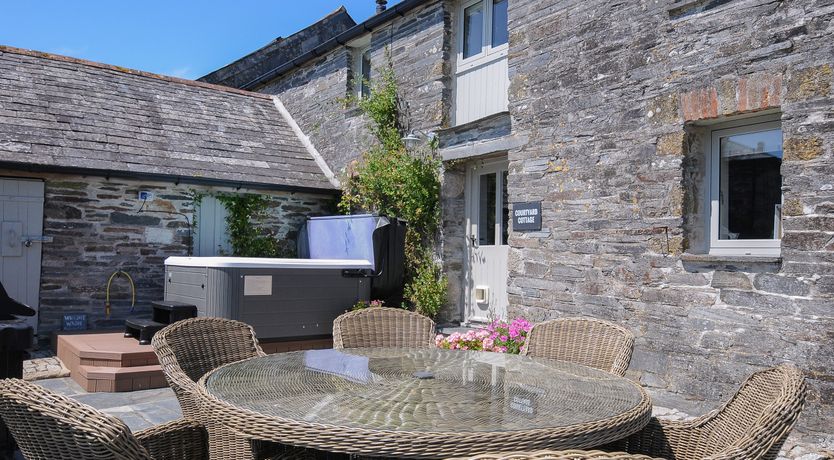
<point>65,113</point>
<point>281,50</point>
<point>285,61</point>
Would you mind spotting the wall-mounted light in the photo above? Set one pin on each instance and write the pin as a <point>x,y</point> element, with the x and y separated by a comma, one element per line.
<point>416,137</point>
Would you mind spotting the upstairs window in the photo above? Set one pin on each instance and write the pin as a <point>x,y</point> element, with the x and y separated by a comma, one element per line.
<point>500,34</point>
<point>483,29</point>
<point>362,72</point>
<point>746,188</point>
<point>481,68</point>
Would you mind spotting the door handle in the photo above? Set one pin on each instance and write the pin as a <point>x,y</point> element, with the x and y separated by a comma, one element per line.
<point>29,239</point>
<point>473,240</point>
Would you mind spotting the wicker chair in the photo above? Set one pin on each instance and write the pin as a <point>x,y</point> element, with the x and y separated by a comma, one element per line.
<point>189,349</point>
<point>47,425</point>
<point>753,424</point>
<point>383,327</point>
<point>559,455</point>
<point>591,342</point>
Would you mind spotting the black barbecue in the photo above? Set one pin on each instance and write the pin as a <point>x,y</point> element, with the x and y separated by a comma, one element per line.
<point>15,340</point>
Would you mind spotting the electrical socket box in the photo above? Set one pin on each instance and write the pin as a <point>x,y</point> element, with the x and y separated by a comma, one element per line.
<point>144,195</point>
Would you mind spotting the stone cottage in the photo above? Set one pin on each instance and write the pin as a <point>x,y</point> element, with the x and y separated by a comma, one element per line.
<point>99,169</point>
<point>670,162</point>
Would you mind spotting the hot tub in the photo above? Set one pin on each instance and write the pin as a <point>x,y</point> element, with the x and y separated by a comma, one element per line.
<point>345,259</point>
<point>280,298</point>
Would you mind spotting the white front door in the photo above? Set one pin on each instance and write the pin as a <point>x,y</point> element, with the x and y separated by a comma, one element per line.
<point>487,222</point>
<point>21,237</point>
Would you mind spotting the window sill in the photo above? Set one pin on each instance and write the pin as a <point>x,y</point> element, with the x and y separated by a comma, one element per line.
<point>711,259</point>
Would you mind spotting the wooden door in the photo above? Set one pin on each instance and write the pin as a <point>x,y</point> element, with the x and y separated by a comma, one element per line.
<point>487,221</point>
<point>21,238</point>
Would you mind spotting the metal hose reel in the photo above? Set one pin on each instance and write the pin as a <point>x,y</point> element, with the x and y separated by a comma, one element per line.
<point>119,274</point>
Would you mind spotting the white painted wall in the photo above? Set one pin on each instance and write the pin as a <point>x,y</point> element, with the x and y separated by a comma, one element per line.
<point>481,91</point>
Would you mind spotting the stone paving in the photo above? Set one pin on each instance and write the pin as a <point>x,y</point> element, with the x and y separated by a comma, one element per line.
<point>138,409</point>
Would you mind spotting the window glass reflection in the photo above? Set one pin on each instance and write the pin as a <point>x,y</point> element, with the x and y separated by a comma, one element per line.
<point>500,34</point>
<point>473,29</point>
<point>750,190</point>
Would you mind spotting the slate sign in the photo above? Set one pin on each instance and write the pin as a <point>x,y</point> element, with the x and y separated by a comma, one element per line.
<point>527,216</point>
<point>74,322</point>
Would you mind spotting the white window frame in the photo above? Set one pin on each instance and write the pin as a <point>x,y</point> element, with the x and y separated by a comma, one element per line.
<point>761,248</point>
<point>357,69</point>
<point>488,52</point>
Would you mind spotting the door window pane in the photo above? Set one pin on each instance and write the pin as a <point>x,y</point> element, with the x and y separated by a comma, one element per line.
<point>486,210</point>
<point>505,209</point>
<point>473,29</point>
<point>499,23</point>
<point>750,190</point>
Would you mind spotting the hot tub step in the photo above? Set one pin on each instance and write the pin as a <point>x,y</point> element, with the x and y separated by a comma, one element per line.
<point>118,379</point>
<point>142,329</point>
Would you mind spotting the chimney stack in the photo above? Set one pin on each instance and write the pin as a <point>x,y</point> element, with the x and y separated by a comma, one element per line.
<point>381,5</point>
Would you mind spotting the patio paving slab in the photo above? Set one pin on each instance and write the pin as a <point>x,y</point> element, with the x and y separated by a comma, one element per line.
<point>138,409</point>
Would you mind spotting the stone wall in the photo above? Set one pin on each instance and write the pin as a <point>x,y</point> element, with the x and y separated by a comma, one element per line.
<point>419,44</point>
<point>612,98</point>
<point>97,230</point>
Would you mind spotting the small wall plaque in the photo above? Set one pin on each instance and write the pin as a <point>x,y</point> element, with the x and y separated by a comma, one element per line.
<point>74,322</point>
<point>257,285</point>
<point>527,216</point>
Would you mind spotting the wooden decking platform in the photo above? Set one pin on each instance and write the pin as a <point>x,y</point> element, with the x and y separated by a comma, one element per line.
<point>110,362</point>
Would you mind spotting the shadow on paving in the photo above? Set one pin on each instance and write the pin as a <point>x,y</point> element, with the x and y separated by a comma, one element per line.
<point>138,409</point>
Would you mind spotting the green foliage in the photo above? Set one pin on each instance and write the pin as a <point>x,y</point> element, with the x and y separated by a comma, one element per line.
<point>382,106</point>
<point>399,184</point>
<point>247,234</point>
<point>393,181</point>
<point>363,304</point>
<point>427,290</point>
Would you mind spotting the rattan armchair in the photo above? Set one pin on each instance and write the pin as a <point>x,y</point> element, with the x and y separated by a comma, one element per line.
<point>559,455</point>
<point>383,327</point>
<point>50,426</point>
<point>590,342</point>
<point>187,350</point>
<point>753,424</point>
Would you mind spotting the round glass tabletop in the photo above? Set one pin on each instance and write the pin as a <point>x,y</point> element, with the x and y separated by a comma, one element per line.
<point>425,390</point>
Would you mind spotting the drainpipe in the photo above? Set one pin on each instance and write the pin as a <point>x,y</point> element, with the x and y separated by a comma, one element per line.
<point>381,5</point>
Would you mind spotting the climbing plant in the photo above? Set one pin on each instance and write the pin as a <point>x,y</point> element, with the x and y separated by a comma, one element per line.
<point>391,180</point>
<point>246,217</point>
<point>245,220</point>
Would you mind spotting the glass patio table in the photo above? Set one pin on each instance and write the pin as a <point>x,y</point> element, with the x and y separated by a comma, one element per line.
<point>422,403</point>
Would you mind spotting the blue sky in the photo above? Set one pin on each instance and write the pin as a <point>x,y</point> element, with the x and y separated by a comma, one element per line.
<point>183,38</point>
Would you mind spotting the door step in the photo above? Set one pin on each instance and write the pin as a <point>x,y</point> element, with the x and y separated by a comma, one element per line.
<point>118,379</point>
